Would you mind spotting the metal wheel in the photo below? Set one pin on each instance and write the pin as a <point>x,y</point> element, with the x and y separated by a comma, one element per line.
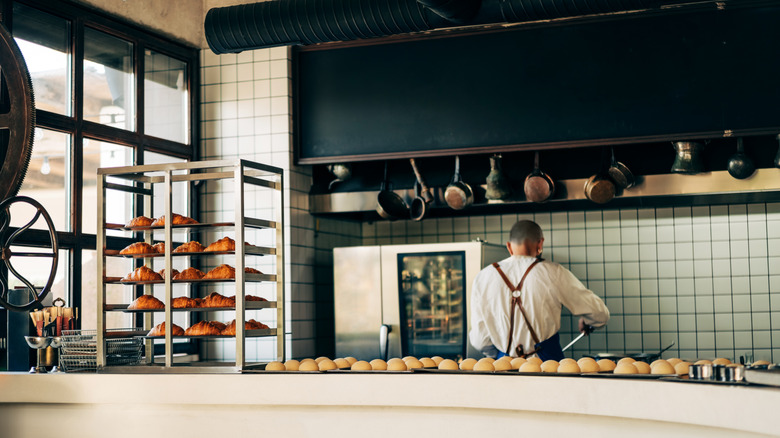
<point>17,116</point>
<point>6,254</point>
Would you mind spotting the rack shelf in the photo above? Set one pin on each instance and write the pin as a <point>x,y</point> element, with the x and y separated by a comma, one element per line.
<point>143,183</point>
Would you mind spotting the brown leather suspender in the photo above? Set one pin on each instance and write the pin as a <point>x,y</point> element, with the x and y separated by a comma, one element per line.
<point>517,302</point>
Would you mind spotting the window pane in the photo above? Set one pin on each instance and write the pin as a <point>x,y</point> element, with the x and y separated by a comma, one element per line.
<point>119,206</point>
<point>44,41</point>
<point>109,88</point>
<point>115,293</point>
<point>47,179</point>
<point>181,189</point>
<point>36,270</point>
<point>165,97</point>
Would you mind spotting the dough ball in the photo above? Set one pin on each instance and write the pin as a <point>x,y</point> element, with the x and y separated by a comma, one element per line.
<point>642,367</point>
<point>569,368</point>
<point>448,364</point>
<point>549,366</point>
<point>588,366</point>
<point>703,362</point>
<point>606,365</point>
<point>674,361</point>
<point>656,362</point>
<point>535,360</point>
<point>530,367</point>
<point>427,362</point>
<point>396,365</point>
<point>437,359</point>
<point>342,363</point>
<point>626,360</point>
<point>320,359</point>
<point>327,364</point>
<point>760,362</point>
<point>721,361</point>
<point>275,366</point>
<point>502,365</point>
<point>568,360</point>
<point>361,365</point>
<point>662,367</point>
<point>309,365</point>
<point>517,362</point>
<point>484,364</point>
<point>413,363</point>
<point>468,364</point>
<point>626,368</point>
<point>405,358</point>
<point>378,365</point>
<point>351,360</point>
<point>682,368</point>
<point>292,365</point>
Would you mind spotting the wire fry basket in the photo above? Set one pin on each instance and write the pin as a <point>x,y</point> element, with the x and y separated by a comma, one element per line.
<point>79,350</point>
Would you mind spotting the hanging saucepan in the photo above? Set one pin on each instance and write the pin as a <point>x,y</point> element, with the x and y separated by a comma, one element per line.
<point>458,194</point>
<point>599,188</point>
<point>538,186</point>
<point>422,195</point>
<point>687,160</point>
<point>342,172</point>
<point>621,176</point>
<point>740,165</point>
<point>389,205</point>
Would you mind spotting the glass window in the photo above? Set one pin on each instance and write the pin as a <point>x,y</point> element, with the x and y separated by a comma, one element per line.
<point>115,293</point>
<point>165,97</point>
<point>181,193</point>
<point>36,270</point>
<point>44,41</point>
<point>119,206</point>
<point>48,177</point>
<point>109,88</point>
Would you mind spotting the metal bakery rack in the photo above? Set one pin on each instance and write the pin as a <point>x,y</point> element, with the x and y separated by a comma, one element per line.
<point>144,183</point>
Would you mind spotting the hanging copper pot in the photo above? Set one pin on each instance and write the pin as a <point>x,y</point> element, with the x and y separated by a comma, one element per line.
<point>688,159</point>
<point>497,185</point>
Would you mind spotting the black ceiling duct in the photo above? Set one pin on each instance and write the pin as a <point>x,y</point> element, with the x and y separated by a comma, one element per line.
<point>290,22</point>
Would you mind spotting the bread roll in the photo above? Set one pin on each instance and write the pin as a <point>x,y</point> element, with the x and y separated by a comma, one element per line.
<point>292,365</point>
<point>517,362</point>
<point>468,364</point>
<point>448,364</point>
<point>484,364</point>
<point>341,363</point>
<point>530,367</point>
<point>275,366</point>
<point>360,365</point>
<point>378,365</point>
<point>606,365</point>
<point>550,366</point>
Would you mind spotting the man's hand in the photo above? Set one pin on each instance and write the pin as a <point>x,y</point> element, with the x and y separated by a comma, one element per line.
<point>584,327</point>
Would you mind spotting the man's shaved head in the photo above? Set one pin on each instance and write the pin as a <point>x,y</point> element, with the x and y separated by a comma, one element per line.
<point>525,231</point>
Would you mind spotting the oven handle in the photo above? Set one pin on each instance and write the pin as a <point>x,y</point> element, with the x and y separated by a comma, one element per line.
<point>384,331</point>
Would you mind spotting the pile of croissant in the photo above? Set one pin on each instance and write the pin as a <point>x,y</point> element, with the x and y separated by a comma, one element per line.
<point>222,245</point>
<point>214,300</point>
<point>143,221</point>
<point>207,328</point>
<point>221,272</point>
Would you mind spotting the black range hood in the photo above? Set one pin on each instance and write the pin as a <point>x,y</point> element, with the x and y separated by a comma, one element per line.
<point>266,24</point>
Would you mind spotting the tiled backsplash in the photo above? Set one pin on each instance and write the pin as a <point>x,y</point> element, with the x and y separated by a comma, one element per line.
<point>706,278</point>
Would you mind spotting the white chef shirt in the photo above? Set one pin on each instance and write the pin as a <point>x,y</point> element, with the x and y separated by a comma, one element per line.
<point>547,287</point>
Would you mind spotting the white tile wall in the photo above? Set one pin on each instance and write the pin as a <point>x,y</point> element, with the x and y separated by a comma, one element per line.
<point>705,277</point>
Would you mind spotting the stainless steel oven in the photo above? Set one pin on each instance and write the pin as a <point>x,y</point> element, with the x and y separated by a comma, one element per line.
<point>407,300</point>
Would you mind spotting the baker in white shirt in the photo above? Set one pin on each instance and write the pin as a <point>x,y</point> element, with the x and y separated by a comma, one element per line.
<point>516,303</point>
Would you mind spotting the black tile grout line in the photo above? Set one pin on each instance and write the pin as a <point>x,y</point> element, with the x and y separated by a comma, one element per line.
<point>731,286</point>
<point>752,337</point>
<point>657,283</point>
<point>768,279</point>
<point>714,313</point>
<point>641,319</point>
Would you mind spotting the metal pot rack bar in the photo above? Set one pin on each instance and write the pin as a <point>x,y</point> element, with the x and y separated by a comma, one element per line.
<point>141,180</point>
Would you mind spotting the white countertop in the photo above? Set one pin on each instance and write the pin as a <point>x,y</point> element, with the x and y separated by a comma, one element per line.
<point>563,403</point>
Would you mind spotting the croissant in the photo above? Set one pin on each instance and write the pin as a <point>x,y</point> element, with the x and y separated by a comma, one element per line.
<point>219,325</point>
<point>146,302</point>
<point>254,298</point>
<point>189,274</point>
<point>138,248</point>
<point>175,273</point>
<point>140,221</point>
<point>227,272</point>
<point>177,220</point>
<point>218,300</point>
<point>203,328</point>
<point>189,247</point>
<point>230,330</point>
<point>159,330</point>
<point>159,247</point>
<point>142,274</point>
<point>186,303</point>
<point>223,244</point>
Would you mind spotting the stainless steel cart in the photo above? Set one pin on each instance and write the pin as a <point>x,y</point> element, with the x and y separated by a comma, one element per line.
<point>139,181</point>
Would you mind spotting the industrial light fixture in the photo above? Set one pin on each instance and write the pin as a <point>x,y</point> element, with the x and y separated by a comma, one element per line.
<point>45,167</point>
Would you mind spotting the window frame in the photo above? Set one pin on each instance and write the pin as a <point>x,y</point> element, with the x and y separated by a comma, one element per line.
<point>74,240</point>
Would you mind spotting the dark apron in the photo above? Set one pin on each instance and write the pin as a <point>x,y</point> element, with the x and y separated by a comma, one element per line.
<point>547,349</point>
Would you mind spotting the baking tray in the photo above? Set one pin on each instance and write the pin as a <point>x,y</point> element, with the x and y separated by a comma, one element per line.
<point>706,382</point>
<point>347,371</point>
<point>248,222</point>
<point>247,334</point>
<point>629,376</point>
<point>249,305</point>
<point>248,250</point>
<point>247,277</point>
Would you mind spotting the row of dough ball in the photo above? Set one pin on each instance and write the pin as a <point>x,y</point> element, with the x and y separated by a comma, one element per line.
<point>506,363</point>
